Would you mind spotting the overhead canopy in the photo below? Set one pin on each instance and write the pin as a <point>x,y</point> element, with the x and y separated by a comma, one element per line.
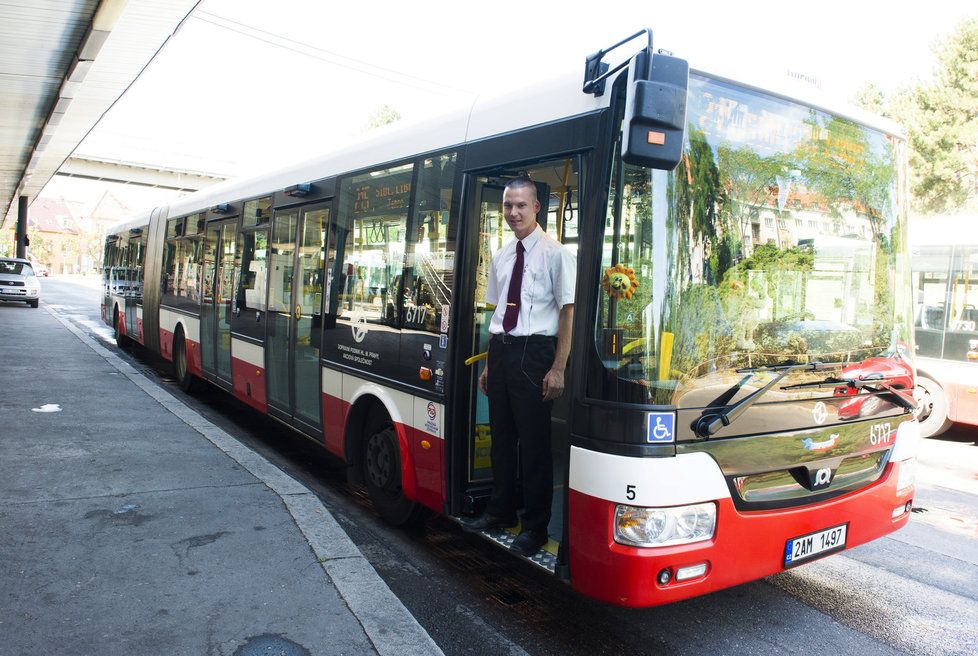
<point>63,63</point>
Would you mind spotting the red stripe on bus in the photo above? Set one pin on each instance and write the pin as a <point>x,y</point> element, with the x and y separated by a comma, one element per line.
<point>194,364</point>
<point>427,454</point>
<point>248,383</point>
<point>408,473</point>
<point>166,344</point>
<point>335,411</point>
<point>746,545</point>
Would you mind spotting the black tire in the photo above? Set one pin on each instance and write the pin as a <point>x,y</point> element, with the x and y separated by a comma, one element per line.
<point>33,304</point>
<point>122,341</point>
<point>381,464</point>
<point>933,408</point>
<point>185,380</point>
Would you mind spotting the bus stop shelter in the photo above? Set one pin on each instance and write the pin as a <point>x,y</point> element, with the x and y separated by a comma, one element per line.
<point>63,65</point>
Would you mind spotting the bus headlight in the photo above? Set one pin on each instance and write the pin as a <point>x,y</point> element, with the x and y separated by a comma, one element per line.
<point>660,527</point>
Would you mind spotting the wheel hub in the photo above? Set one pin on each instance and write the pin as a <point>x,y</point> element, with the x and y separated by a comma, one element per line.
<point>379,460</point>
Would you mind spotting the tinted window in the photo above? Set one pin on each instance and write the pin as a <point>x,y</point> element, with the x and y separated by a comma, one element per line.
<point>253,247</point>
<point>16,268</point>
<point>961,336</point>
<point>256,211</point>
<point>431,247</point>
<point>930,266</point>
<point>371,231</point>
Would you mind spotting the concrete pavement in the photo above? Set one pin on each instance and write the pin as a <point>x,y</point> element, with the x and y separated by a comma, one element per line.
<point>131,525</point>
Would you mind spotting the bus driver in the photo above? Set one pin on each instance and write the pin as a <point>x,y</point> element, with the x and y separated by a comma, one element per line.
<point>531,282</point>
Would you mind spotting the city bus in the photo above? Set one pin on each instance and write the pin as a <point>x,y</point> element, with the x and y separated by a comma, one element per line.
<point>739,392</point>
<point>944,254</point>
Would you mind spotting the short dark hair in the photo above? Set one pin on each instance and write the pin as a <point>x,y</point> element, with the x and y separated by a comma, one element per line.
<point>523,181</point>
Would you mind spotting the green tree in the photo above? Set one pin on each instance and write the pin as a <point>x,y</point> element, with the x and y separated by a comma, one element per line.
<point>8,244</point>
<point>871,97</point>
<point>941,118</point>
<point>40,249</point>
<point>383,115</point>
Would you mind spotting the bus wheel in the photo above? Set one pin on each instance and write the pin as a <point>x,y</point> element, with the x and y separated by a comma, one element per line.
<point>381,464</point>
<point>122,341</point>
<point>933,407</point>
<point>185,379</point>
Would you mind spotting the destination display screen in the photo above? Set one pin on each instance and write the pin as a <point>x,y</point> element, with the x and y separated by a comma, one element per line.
<point>381,196</point>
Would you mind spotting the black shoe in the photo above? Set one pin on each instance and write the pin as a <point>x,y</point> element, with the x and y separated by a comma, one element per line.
<point>487,521</point>
<point>529,542</point>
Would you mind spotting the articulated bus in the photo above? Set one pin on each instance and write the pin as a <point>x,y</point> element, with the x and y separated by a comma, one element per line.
<point>739,396</point>
<point>945,271</point>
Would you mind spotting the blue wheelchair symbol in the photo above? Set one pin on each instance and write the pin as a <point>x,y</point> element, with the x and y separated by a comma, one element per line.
<point>661,427</point>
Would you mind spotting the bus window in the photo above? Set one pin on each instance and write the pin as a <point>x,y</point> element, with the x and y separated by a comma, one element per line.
<point>711,267</point>
<point>371,231</point>
<point>931,274</point>
<point>961,337</point>
<point>281,263</point>
<point>562,204</point>
<point>256,211</point>
<point>253,247</point>
<point>431,248</point>
<point>172,260</point>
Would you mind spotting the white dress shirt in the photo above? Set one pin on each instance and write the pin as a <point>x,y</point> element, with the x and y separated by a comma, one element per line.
<point>549,274</point>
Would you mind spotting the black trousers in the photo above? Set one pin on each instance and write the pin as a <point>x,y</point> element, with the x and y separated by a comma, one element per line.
<point>519,419</point>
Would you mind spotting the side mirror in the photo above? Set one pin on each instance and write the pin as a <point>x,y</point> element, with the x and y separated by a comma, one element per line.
<point>655,111</point>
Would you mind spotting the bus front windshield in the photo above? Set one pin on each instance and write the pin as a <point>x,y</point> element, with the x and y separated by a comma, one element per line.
<point>778,238</point>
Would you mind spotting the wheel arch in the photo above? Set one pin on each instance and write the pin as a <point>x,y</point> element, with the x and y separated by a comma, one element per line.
<point>948,392</point>
<point>367,404</point>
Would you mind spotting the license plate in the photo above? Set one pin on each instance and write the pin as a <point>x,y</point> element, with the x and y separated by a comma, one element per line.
<point>821,543</point>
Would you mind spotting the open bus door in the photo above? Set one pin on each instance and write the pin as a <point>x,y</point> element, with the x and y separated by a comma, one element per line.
<point>557,189</point>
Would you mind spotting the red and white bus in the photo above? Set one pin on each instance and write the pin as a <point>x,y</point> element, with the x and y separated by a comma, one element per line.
<point>945,271</point>
<point>737,398</point>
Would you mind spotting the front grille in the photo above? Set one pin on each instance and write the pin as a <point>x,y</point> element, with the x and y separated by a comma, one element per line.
<point>783,488</point>
<point>12,283</point>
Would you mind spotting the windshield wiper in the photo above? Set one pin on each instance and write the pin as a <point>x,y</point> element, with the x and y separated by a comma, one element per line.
<point>708,424</point>
<point>873,383</point>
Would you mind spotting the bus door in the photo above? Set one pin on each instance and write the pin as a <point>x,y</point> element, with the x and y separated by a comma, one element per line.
<point>295,313</point>
<point>219,268</point>
<point>557,189</point>
<point>133,295</point>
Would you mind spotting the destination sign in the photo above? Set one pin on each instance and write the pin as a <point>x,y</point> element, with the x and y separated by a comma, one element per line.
<point>382,196</point>
<point>769,125</point>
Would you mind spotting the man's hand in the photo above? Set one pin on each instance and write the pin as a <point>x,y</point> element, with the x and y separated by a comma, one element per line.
<point>483,377</point>
<point>553,384</point>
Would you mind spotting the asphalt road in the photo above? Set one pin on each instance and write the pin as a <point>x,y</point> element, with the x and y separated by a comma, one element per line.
<point>915,591</point>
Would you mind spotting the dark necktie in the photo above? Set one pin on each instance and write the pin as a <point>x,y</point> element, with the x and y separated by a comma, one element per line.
<point>515,285</point>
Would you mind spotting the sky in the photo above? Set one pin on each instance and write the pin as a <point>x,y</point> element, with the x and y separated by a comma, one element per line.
<point>251,84</point>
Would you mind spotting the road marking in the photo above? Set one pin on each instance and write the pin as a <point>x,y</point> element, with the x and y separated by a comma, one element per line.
<point>388,624</point>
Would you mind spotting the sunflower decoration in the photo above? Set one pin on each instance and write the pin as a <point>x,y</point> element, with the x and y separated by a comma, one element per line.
<point>619,281</point>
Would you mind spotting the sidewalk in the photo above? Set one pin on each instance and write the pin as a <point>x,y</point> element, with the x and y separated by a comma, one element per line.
<point>131,525</point>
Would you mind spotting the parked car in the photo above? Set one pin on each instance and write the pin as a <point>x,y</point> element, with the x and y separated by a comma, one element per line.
<point>18,281</point>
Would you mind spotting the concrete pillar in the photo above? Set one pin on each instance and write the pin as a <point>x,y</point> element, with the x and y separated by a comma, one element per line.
<point>21,232</point>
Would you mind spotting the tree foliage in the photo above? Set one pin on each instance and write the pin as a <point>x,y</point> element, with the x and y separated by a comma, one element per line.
<point>941,118</point>
<point>383,115</point>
